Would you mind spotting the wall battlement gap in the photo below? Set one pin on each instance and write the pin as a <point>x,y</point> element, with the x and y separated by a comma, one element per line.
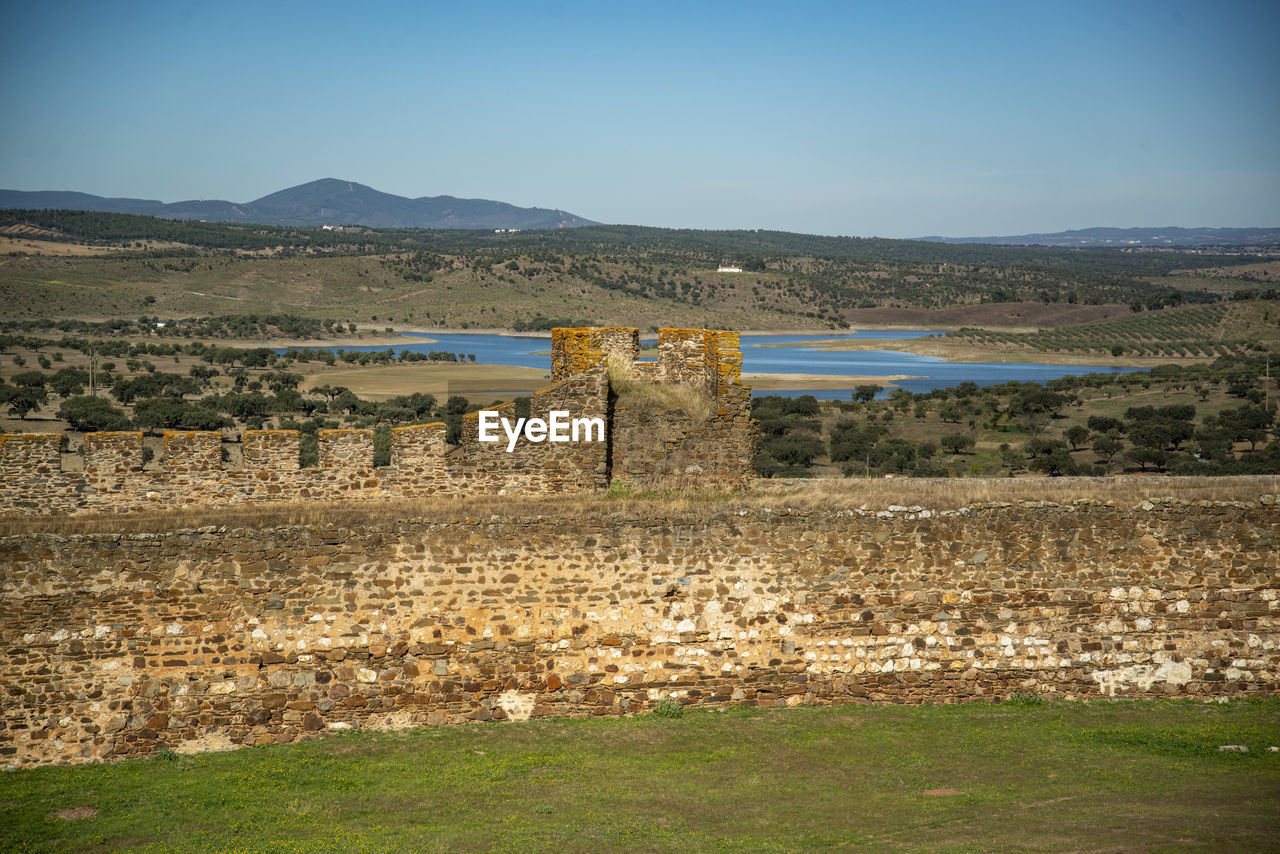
<point>190,470</point>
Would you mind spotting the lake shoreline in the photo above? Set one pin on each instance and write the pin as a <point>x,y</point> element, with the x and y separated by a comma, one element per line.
<point>966,353</point>
<point>830,366</point>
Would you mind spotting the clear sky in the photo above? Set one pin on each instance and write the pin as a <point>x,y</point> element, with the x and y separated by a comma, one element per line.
<point>896,119</point>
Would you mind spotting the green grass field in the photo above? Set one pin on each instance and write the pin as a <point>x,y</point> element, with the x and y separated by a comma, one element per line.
<point>1052,776</point>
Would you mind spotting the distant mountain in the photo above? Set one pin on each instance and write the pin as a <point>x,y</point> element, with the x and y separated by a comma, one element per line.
<point>1122,237</point>
<point>324,202</point>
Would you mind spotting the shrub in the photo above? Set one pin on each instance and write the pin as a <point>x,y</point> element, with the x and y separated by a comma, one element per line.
<point>797,450</point>
<point>86,414</point>
<point>1024,698</point>
<point>668,708</point>
<point>957,443</point>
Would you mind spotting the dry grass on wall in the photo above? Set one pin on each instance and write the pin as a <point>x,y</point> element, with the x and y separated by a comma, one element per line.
<point>642,395</point>
<point>953,493</point>
<point>808,496</point>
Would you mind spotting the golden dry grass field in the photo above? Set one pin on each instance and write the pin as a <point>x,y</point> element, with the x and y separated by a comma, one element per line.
<point>441,379</point>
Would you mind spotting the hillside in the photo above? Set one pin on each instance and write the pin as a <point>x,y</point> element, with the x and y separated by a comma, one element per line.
<point>1179,332</point>
<point>86,264</point>
<point>327,201</point>
<point>1133,237</point>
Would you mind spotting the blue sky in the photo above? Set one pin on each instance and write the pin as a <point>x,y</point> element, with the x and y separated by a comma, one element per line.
<point>889,119</point>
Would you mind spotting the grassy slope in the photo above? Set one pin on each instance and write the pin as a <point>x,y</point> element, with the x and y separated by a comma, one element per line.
<point>666,289</point>
<point>363,289</point>
<point>1041,777</point>
<point>1011,315</point>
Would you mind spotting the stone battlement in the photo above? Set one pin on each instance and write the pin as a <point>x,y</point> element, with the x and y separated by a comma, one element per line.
<point>191,471</point>
<point>707,359</point>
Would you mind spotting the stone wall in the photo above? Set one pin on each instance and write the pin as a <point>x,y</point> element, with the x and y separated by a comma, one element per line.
<point>670,447</point>
<point>577,349</point>
<point>119,645</point>
<point>190,471</point>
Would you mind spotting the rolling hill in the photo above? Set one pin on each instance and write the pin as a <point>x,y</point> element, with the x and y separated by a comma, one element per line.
<point>327,201</point>
<point>1133,237</point>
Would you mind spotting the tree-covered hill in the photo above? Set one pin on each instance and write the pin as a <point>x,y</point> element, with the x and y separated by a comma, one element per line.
<point>605,274</point>
<point>1130,237</point>
<point>327,201</point>
<point>747,247</point>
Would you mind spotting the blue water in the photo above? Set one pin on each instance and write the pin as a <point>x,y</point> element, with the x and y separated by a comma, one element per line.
<point>931,372</point>
<point>488,349</point>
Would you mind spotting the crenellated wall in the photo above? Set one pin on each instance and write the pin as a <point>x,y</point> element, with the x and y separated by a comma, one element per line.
<point>118,645</point>
<point>191,471</point>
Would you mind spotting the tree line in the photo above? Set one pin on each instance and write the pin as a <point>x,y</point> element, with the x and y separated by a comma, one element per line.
<point>867,436</point>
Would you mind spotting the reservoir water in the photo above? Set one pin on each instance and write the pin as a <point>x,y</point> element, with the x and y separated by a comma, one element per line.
<point>929,372</point>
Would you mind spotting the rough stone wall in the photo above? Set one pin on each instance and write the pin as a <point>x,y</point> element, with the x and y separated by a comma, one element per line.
<point>724,359</point>
<point>30,471</point>
<point>671,448</point>
<point>193,453</point>
<point>530,467</point>
<point>684,358</point>
<point>345,449</point>
<point>419,453</point>
<point>191,472</point>
<point>109,458</point>
<point>578,349</point>
<point>272,450</point>
<point>119,645</point>
<point>643,442</point>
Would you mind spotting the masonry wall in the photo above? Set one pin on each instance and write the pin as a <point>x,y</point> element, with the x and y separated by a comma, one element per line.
<point>191,472</point>
<point>671,448</point>
<point>531,468</point>
<point>664,450</point>
<point>119,645</point>
<point>578,349</point>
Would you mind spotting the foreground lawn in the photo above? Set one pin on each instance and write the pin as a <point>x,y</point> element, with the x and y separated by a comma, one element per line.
<point>1103,776</point>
